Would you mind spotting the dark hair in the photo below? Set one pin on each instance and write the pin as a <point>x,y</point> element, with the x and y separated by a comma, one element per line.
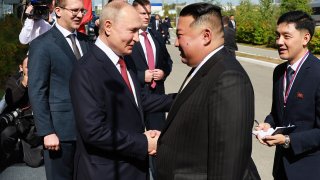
<point>135,3</point>
<point>197,10</point>
<point>60,3</point>
<point>225,20</point>
<point>301,20</point>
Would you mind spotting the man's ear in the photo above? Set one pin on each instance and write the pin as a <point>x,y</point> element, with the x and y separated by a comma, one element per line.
<point>107,25</point>
<point>207,36</point>
<point>306,38</point>
<point>57,10</point>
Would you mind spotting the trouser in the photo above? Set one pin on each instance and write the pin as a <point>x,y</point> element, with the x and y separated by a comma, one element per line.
<point>59,164</point>
<point>9,139</point>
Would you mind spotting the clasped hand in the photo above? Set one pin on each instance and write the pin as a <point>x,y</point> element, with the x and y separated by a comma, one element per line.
<point>156,74</point>
<point>152,137</point>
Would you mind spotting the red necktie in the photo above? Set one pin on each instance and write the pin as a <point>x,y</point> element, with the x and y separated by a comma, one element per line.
<point>150,56</point>
<point>124,73</point>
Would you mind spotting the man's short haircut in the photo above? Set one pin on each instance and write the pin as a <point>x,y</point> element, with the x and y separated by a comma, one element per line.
<point>60,3</point>
<point>110,11</point>
<point>302,20</point>
<point>142,3</point>
<point>204,13</point>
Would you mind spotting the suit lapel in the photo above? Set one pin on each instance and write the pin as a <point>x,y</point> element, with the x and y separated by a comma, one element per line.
<point>114,73</point>
<point>300,78</point>
<point>192,86</point>
<point>63,43</point>
<point>157,46</point>
<point>142,56</point>
<point>82,42</point>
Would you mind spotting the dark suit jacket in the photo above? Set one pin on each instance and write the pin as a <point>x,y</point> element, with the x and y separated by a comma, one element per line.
<point>230,39</point>
<point>51,61</point>
<point>302,159</point>
<point>137,61</point>
<point>110,143</point>
<point>208,129</point>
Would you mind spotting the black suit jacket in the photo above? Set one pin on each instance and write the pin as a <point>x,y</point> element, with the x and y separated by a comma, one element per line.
<point>51,61</point>
<point>208,129</point>
<point>110,143</point>
<point>230,39</point>
<point>138,62</point>
<point>302,159</point>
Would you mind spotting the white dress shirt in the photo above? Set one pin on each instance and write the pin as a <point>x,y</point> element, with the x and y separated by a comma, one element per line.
<point>66,33</point>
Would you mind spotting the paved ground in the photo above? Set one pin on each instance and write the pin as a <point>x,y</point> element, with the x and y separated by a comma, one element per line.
<point>261,77</point>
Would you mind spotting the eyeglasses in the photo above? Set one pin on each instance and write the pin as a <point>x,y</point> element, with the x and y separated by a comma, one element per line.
<point>75,12</point>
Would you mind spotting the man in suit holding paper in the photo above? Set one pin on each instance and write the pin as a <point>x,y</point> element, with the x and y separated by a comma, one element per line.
<point>296,101</point>
<point>208,129</point>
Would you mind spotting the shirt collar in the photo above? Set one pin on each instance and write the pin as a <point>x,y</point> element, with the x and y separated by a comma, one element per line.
<point>206,59</point>
<point>112,55</point>
<point>296,64</point>
<point>64,31</point>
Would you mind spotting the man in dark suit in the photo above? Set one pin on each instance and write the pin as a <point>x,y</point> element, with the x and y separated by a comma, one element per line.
<point>232,22</point>
<point>51,59</point>
<point>229,36</point>
<point>153,63</point>
<point>208,129</point>
<point>109,104</point>
<point>295,101</point>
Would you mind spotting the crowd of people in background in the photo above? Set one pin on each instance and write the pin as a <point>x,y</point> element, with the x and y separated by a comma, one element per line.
<point>96,110</point>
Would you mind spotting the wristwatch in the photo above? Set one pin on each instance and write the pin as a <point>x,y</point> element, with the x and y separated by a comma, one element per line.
<point>286,142</point>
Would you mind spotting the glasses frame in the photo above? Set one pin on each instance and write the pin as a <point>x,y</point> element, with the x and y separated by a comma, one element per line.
<point>74,12</point>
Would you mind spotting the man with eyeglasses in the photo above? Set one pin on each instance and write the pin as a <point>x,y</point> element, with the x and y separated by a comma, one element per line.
<point>51,60</point>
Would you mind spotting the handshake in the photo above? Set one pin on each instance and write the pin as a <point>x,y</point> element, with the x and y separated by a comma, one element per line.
<point>152,137</point>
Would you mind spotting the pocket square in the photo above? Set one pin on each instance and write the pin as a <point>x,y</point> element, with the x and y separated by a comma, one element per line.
<point>300,95</point>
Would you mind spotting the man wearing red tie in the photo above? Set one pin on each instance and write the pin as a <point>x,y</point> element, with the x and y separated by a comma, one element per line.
<point>109,104</point>
<point>152,62</point>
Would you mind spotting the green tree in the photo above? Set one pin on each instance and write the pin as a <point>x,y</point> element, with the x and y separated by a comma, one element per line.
<point>292,5</point>
<point>11,51</point>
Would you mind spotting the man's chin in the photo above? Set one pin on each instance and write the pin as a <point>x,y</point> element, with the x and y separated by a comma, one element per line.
<point>184,60</point>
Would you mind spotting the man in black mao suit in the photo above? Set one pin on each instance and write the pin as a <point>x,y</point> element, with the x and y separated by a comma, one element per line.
<point>295,101</point>
<point>163,64</point>
<point>229,36</point>
<point>208,129</point>
<point>51,59</point>
<point>109,104</point>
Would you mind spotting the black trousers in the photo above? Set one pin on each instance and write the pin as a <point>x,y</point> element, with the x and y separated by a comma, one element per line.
<point>59,164</point>
<point>8,141</point>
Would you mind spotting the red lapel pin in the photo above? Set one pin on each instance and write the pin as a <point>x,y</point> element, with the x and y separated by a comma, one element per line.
<point>300,95</point>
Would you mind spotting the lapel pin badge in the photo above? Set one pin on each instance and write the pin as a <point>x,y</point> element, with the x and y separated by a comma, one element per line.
<point>300,95</point>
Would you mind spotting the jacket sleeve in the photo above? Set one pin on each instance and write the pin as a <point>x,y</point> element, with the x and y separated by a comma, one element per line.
<point>38,87</point>
<point>231,114</point>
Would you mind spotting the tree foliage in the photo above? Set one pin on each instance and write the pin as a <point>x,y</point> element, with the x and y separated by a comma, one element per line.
<point>11,51</point>
<point>291,5</point>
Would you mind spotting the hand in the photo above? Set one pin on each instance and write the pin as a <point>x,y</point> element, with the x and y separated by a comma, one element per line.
<point>264,127</point>
<point>152,137</point>
<point>24,81</point>
<point>275,140</point>
<point>96,22</point>
<point>148,76</point>
<point>158,74</point>
<point>51,142</point>
<point>29,9</point>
